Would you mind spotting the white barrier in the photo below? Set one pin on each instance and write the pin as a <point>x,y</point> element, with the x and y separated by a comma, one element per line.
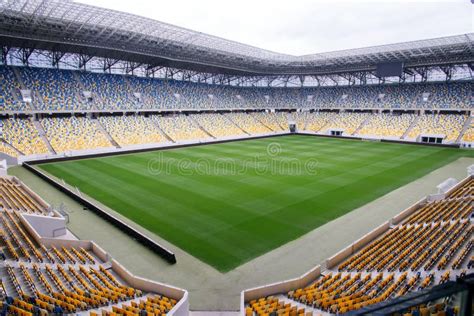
<point>446,185</point>
<point>333,261</point>
<point>3,168</point>
<point>47,226</point>
<point>470,170</point>
<point>279,287</point>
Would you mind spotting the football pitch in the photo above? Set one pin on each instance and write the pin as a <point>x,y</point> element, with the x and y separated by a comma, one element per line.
<point>231,202</point>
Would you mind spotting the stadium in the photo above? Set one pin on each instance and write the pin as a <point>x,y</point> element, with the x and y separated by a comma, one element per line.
<point>150,169</point>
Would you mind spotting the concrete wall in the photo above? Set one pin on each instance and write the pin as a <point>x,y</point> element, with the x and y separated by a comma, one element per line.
<point>32,194</point>
<point>279,287</point>
<point>11,161</point>
<point>356,246</point>
<point>408,211</point>
<point>435,197</point>
<point>454,188</point>
<point>47,226</point>
<point>182,306</point>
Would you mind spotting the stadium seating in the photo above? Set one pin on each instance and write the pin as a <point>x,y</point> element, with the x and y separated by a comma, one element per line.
<point>4,148</point>
<point>431,246</point>
<point>108,91</point>
<point>449,125</point>
<point>248,123</point>
<point>54,89</point>
<point>180,128</point>
<point>276,122</point>
<point>132,130</point>
<point>348,122</point>
<point>317,120</point>
<point>445,96</point>
<point>386,125</point>
<point>358,97</point>
<point>10,96</point>
<point>81,133</point>
<point>217,125</point>
<point>274,306</point>
<point>464,191</point>
<point>23,135</point>
<point>73,133</point>
<point>399,96</point>
<point>299,118</point>
<point>152,92</point>
<point>469,134</point>
<point>15,197</point>
<point>153,305</point>
<point>55,280</point>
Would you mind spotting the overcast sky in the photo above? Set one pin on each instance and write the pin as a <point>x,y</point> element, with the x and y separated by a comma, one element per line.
<point>301,27</point>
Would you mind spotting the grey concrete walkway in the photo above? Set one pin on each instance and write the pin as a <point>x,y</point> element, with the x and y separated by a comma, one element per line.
<point>211,290</point>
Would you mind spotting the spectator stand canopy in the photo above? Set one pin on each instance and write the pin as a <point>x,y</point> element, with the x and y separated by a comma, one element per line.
<point>64,26</point>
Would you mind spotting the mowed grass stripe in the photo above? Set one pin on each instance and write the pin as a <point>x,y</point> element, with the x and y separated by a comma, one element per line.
<point>226,218</point>
<point>169,220</point>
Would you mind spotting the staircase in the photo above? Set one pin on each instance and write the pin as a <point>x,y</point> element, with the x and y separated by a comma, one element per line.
<point>78,80</point>
<point>136,103</point>
<point>18,77</point>
<point>199,125</point>
<point>7,283</point>
<point>5,143</point>
<point>258,122</point>
<point>413,124</point>
<point>17,94</point>
<point>22,280</point>
<point>168,137</point>
<point>38,284</point>
<point>466,126</point>
<point>299,305</point>
<point>82,88</point>
<point>235,124</point>
<point>101,128</point>
<point>305,122</point>
<point>362,125</point>
<point>95,97</point>
<point>271,129</point>
<point>42,134</point>
<point>282,127</point>
<point>325,125</point>
<point>36,96</point>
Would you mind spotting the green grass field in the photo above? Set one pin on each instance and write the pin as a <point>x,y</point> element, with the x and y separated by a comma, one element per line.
<point>228,203</point>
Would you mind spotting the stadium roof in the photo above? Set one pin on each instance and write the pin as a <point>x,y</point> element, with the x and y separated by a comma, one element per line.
<point>66,26</point>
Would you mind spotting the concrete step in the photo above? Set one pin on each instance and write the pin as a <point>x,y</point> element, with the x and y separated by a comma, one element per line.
<point>168,137</point>
<point>101,128</point>
<point>211,313</point>
<point>259,121</point>
<point>5,143</point>
<point>42,134</point>
<point>413,124</point>
<point>7,282</point>
<point>465,127</point>
<point>201,127</point>
<point>367,120</point>
<point>234,123</point>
